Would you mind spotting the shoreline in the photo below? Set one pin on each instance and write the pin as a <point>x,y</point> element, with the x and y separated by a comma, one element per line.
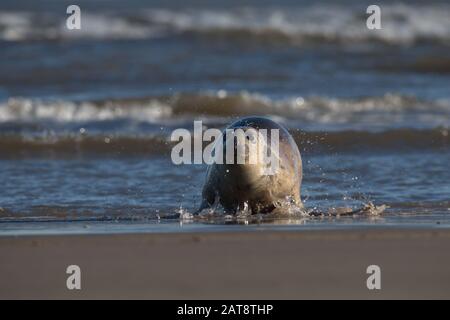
<point>233,265</point>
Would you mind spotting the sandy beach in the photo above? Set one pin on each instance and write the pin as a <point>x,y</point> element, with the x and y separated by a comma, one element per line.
<point>242,265</point>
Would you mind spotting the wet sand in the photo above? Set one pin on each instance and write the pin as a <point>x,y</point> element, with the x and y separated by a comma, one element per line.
<point>244,265</point>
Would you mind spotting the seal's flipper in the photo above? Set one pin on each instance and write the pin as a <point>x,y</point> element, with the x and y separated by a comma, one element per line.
<point>206,205</point>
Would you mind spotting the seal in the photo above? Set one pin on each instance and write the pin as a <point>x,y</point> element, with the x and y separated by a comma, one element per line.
<point>250,185</point>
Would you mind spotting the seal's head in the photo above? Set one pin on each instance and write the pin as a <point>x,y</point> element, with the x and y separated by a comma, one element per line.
<point>261,167</point>
<point>249,151</point>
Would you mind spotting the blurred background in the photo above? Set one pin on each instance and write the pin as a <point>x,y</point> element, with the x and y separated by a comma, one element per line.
<point>86,115</point>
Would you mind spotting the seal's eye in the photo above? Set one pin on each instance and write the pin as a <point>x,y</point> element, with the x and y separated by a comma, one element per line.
<point>251,138</point>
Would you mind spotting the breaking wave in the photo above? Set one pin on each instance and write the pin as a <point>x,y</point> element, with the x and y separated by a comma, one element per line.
<point>142,126</point>
<point>401,24</point>
<point>387,111</point>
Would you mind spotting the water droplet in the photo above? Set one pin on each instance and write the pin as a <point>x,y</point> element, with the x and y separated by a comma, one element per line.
<point>222,94</point>
<point>299,101</point>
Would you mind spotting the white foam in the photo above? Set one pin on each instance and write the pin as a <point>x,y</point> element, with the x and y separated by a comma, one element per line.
<point>19,109</point>
<point>110,27</point>
<point>401,23</point>
<point>385,111</point>
<point>14,26</point>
